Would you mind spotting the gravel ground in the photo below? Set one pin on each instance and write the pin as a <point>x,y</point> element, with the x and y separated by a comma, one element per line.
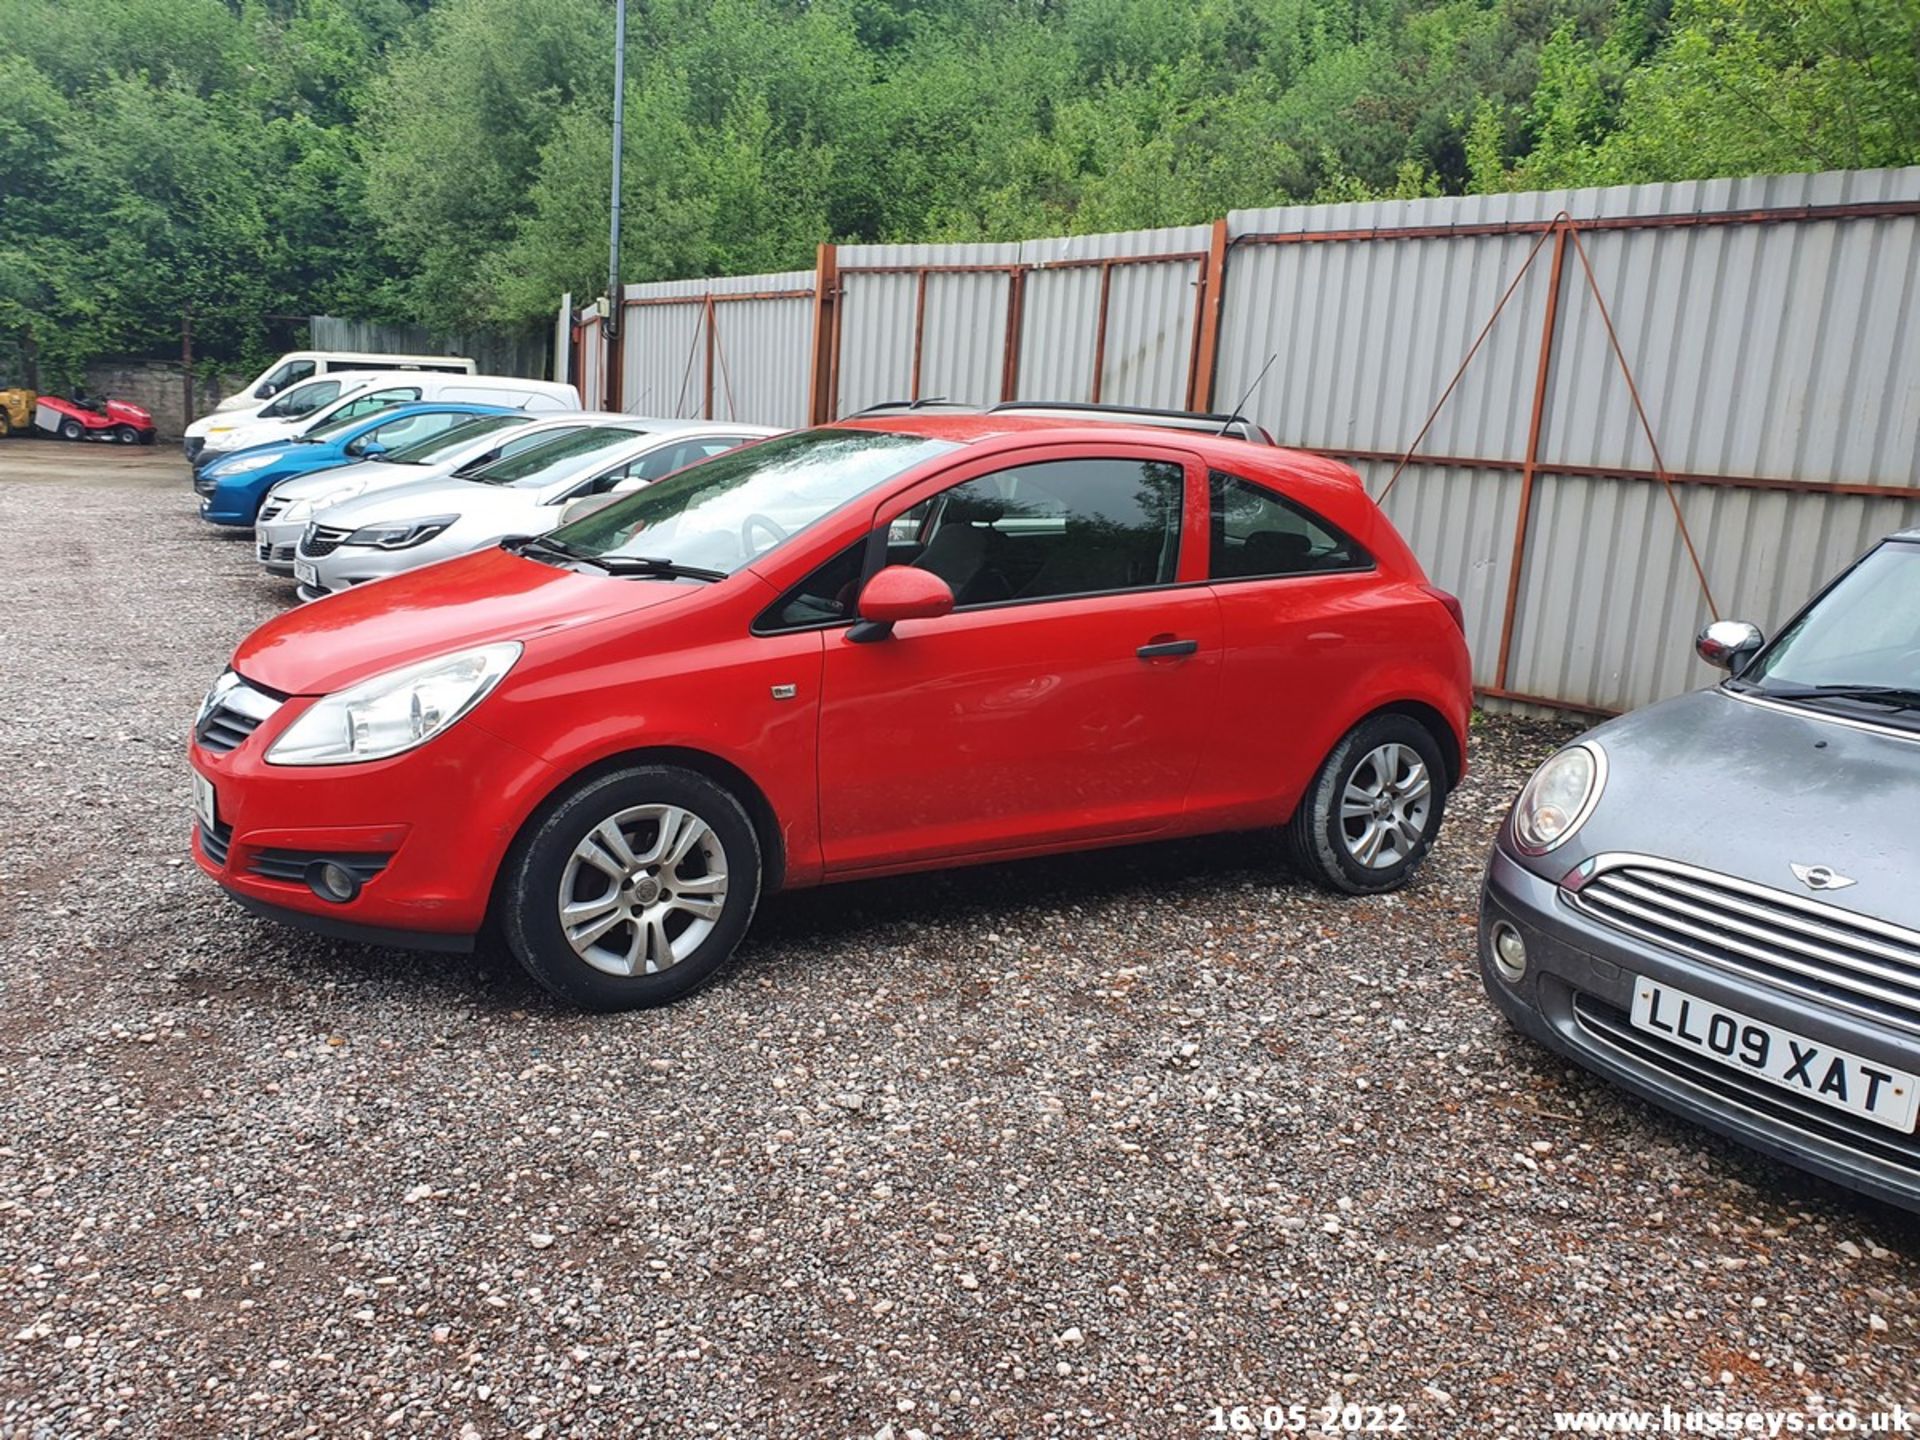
<point>1086,1145</point>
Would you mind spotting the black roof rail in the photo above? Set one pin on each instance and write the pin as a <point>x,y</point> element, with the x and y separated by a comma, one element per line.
<point>1237,427</point>
<point>895,407</point>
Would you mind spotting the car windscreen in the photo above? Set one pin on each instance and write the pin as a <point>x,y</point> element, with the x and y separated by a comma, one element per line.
<point>555,461</point>
<point>330,429</point>
<point>447,442</point>
<point>1858,647</point>
<point>724,512</point>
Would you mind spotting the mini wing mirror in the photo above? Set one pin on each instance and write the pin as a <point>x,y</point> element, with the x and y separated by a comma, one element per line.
<point>628,486</point>
<point>1729,644</point>
<point>583,507</point>
<point>898,593</point>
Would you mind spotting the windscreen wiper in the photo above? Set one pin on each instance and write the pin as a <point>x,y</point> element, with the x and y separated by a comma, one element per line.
<point>614,564</point>
<point>654,565</point>
<point>1900,697</point>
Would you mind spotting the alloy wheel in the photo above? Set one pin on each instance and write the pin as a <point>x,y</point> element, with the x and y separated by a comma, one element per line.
<point>1385,806</point>
<point>643,889</point>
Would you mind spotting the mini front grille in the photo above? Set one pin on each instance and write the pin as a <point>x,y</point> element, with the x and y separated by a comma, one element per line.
<point>1610,1027</point>
<point>276,554</point>
<point>214,843</point>
<point>292,865</point>
<point>233,711</point>
<point>321,540</point>
<point>1827,954</point>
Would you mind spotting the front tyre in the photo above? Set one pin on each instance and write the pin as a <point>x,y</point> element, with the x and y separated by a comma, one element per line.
<point>126,435</point>
<point>1373,810</point>
<point>633,890</point>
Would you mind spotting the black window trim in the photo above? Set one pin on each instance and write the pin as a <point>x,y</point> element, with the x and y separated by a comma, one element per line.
<point>1369,566</point>
<point>876,556</point>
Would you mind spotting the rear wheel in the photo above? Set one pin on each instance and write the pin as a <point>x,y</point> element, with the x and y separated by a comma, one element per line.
<point>633,890</point>
<point>71,430</point>
<point>1373,810</point>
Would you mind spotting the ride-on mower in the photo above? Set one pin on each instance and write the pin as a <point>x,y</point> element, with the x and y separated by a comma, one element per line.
<point>85,419</point>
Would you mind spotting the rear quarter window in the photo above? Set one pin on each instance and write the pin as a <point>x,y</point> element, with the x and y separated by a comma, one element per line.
<point>1258,534</point>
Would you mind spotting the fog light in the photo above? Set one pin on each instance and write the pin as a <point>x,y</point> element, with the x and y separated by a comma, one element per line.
<point>332,882</point>
<point>1509,953</point>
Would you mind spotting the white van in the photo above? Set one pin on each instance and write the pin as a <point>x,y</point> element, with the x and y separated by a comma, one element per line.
<point>297,365</point>
<point>364,393</point>
<point>296,401</point>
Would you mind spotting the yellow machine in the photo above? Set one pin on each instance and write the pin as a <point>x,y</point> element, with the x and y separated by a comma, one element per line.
<point>16,411</point>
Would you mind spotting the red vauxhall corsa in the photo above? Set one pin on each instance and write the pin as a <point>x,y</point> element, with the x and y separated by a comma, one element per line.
<point>886,645</point>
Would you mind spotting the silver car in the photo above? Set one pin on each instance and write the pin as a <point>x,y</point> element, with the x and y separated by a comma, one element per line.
<point>1713,901</point>
<point>289,507</point>
<point>407,526</point>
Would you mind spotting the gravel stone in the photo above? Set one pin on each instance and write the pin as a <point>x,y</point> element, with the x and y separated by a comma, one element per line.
<point>253,1182</point>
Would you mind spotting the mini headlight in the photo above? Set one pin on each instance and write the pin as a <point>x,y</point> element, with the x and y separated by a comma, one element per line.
<point>1559,798</point>
<point>400,534</point>
<point>392,713</point>
<point>247,463</point>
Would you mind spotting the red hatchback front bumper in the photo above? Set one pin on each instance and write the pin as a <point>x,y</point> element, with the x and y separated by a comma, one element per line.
<point>422,833</point>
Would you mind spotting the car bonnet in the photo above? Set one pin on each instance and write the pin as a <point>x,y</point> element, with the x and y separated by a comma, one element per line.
<point>1751,790</point>
<point>476,599</point>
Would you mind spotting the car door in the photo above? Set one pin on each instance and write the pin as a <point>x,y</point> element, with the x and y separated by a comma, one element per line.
<point>1300,623</point>
<point>1065,699</point>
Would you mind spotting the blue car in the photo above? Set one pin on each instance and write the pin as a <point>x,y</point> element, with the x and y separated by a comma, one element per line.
<point>232,487</point>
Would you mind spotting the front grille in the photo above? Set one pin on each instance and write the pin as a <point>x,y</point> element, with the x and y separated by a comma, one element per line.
<point>204,484</point>
<point>194,446</point>
<point>233,710</point>
<point>214,843</point>
<point>292,865</point>
<point>276,554</point>
<point>271,507</point>
<point>321,540</point>
<point>1830,955</point>
<point>1610,1027</point>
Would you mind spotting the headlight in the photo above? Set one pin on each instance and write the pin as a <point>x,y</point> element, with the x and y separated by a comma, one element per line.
<point>246,464</point>
<point>1559,797</point>
<point>400,534</point>
<point>392,713</point>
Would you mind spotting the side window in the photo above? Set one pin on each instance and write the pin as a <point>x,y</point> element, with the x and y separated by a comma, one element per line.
<point>1063,527</point>
<point>1258,534</point>
<point>825,597</point>
<point>290,373</point>
<point>376,400</point>
<point>404,431</point>
<point>313,397</point>
<point>669,458</point>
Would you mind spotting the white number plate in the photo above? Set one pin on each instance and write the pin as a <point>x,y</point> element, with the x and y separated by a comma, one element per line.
<point>204,809</point>
<point>1810,1068</point>
<point>306,572</point>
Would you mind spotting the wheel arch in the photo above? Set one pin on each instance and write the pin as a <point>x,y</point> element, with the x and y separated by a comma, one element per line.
<point>1435,724</point>
<point>742,786</point>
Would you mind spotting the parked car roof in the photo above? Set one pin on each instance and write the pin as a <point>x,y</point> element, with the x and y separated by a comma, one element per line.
<point>983,427</point>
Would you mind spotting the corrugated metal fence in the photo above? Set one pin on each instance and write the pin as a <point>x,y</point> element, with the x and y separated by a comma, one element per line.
<point>1771,327</point>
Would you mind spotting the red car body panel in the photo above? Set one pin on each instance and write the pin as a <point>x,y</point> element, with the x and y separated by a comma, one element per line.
<point>1015,729</point>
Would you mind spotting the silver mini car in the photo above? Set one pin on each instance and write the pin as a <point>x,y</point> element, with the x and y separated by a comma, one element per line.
<point>1715,901</point>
